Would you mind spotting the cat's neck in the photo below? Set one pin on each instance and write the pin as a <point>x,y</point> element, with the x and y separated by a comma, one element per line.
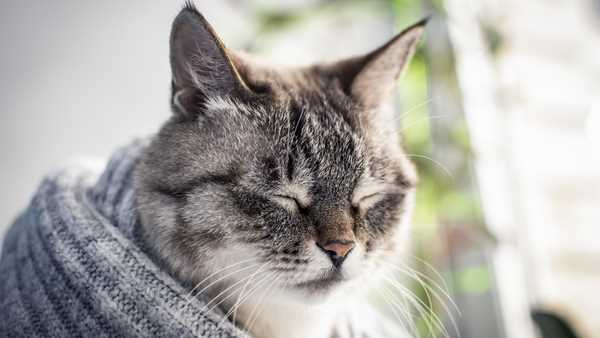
<point>280,319</point>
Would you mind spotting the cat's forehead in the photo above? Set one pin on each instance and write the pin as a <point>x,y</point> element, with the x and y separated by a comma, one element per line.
<point>308,136</point>
<point>313,132</point>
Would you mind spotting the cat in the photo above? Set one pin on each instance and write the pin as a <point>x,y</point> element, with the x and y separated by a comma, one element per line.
<point>278,193</point>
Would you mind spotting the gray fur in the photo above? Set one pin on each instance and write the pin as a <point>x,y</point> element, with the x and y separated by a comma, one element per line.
<point>242,136</point>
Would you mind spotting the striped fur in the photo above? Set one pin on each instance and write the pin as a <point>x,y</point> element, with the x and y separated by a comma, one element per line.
<point>256,164</point>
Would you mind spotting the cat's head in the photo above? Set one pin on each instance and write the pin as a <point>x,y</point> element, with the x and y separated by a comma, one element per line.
<point>295,176</point>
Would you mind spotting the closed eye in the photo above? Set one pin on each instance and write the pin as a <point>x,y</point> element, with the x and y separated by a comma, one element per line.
<point>288,202</point>
<point>292,197</point>
<point>368,201</point>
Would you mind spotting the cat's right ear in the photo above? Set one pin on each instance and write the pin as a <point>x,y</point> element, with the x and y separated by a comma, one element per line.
<point>201,67</point>
<point>370,79</point>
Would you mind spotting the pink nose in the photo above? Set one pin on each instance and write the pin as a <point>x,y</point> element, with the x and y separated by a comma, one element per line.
<point>337,250</point>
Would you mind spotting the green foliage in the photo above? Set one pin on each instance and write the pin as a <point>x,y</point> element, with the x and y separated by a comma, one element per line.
<point>474,279</point>
<point>273,19</point>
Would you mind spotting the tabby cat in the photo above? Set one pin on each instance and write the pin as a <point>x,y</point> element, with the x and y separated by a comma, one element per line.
<point>279,193</point>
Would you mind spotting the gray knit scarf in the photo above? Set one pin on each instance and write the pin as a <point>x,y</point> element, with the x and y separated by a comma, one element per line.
<point>72,265</point>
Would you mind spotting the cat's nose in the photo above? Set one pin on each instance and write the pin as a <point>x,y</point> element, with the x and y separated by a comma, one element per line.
<point>337,250</point>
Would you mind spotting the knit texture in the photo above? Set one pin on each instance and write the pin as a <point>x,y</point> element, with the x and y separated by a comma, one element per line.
<point>72,265</point>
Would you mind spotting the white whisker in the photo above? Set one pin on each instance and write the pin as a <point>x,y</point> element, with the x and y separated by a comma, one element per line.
<point>231,287</point>
<point>418,277</point>
<point>419,120</point>
<point>446,170</point>
<point>217,272</point>
<point>402,313</point>
<point>223,277</point>
<point>431,319</point>
<point>252,318</point>
<point>242,298</point>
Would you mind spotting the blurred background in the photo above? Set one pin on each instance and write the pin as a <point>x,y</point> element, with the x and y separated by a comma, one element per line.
<point>500,110</point>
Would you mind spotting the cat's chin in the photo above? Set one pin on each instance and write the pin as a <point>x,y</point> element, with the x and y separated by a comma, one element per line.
<point>316,291</point>
<point>307,296</point>
<point>325,284</point>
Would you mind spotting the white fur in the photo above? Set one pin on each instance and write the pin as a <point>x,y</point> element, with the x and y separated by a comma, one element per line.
<point>279,319</point>
<point>270,308</point>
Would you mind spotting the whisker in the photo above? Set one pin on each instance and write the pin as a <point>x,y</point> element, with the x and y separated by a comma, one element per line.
<point>252,318</point>
<point>424,310</point>
<point>230,287</point>
<point>217,272</point>
<point>437,274</point>
<point>240,300</point>
<point>417,304</point>
<point>427,284</point>
<point>429,290</point>
<point>415,107</point>
<point>445,292</point>
<point>400,117</point>
<point>222,278</point>
<point>404,317</point>
<point>418,276</point>
<point>446,170</point>
<point>419,105</point>
<point>268,280</point>
<point>419,120</point>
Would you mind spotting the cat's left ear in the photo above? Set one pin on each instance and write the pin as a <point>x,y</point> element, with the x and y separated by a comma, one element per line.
<point>370,78</point>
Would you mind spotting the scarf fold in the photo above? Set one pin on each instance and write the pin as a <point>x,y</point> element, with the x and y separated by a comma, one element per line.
<point>72,265</point>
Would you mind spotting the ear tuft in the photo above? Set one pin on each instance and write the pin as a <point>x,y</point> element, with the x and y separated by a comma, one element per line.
<point>189,5</point>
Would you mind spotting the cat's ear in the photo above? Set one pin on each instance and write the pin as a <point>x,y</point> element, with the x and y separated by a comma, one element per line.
<point>370,78</point>
<point>200,64</point>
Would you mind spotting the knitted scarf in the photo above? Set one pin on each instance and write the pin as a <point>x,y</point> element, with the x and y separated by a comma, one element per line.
<point>72,265</point>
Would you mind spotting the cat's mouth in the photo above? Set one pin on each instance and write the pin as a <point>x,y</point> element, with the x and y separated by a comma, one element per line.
<point>323,283</point>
